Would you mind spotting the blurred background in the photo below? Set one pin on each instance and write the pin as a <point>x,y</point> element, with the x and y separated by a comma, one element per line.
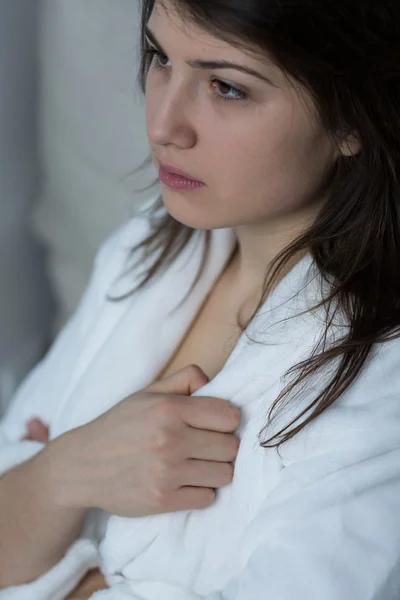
<point>72,130</point>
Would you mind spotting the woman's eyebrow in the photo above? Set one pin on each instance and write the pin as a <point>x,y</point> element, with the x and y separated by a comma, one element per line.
<point>209,64</point>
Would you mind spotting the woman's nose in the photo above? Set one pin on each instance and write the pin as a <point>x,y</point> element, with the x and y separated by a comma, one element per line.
<point>168,121</point>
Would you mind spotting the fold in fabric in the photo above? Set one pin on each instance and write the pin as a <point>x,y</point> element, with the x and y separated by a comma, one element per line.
<point>319,519</point>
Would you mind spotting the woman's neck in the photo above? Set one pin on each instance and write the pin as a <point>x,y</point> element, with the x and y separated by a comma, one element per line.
<point>259,243</point>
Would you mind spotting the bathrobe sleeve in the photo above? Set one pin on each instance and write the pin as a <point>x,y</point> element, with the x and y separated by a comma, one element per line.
<point>40,392</point>
<point>39,396</point>
<point>330,529</point>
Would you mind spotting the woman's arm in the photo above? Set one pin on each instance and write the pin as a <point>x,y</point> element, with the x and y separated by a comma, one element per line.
<point>94,581</point>
<point>35,531</point>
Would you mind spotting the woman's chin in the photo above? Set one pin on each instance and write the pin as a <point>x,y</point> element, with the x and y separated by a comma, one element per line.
<point>184,208</point>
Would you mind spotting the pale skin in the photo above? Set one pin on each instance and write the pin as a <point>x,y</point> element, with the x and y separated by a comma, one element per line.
<point>94,581</point>
<point>270,149</point>
<point>265,137</point>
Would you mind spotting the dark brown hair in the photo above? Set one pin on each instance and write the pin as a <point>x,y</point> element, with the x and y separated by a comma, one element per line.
<point>345,53</point>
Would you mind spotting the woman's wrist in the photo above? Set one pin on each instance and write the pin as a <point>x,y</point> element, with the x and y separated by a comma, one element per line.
<point>60,468</point>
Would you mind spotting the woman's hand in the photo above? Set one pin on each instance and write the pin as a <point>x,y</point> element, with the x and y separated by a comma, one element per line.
<point>157,451</point>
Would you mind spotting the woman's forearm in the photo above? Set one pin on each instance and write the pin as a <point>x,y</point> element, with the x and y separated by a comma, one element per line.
<point>35,530</point>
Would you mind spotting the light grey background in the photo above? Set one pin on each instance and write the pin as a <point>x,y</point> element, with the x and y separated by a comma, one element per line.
<point>25,306</point>
<point>92,134</point>
<point>72,129</point>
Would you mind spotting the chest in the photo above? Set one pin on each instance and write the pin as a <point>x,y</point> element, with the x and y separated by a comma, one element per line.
<point>211,337</point>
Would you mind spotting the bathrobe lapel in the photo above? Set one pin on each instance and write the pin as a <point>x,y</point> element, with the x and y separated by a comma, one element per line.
<point>132,340</point>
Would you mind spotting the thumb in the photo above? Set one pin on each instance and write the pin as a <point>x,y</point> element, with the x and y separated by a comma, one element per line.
<point>184,382</point>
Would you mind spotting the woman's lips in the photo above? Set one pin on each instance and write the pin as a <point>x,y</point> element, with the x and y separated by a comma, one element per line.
<point>177,179</point>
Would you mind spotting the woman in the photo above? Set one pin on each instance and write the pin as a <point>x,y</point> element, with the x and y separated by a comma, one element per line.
<point>275,127</point>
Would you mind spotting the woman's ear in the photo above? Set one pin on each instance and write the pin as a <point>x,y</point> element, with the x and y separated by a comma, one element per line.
<point>350,146</point>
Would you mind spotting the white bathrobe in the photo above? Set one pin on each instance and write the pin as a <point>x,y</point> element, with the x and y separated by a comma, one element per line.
<point>320,520</point>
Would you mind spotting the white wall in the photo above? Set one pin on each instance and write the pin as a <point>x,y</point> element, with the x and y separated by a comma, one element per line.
<point>24,297</point>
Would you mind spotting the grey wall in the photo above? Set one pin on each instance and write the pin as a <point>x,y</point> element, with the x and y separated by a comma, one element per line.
<point>25,305</point>
<point>92,135</point>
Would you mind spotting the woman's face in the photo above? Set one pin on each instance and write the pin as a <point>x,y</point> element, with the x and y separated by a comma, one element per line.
<point>255,143</point>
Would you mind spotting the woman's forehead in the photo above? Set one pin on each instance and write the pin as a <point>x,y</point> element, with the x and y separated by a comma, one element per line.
<point>181,34</point>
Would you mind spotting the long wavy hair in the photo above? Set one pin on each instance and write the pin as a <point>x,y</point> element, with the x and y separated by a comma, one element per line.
<point>345,53</point>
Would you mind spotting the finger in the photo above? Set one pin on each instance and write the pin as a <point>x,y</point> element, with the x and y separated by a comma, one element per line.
<point>183,382</point>
<point>210,445</point>
<point>213,414</point>
<point>37,431</point>
<point>191,498</point>
<point>205,473</point>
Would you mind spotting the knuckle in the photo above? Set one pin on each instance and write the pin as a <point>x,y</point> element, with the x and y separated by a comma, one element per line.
<point>169,404</point>
<point>167,410</point>
<point>156,498</point>
<point>160,484</point>
<point>160,442</point>
<point>195,369</point>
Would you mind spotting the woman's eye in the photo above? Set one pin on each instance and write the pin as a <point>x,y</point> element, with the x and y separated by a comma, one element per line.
<point>225,91</point>
<point>221,89</point>
<point>160,60</point>
<point>157,58</point>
